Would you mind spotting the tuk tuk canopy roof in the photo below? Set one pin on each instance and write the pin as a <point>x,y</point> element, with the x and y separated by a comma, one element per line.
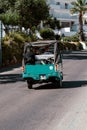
<point>43,43</point>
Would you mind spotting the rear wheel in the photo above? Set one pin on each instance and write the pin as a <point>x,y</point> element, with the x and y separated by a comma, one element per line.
<point>58,83</point>
<point>29,84</point>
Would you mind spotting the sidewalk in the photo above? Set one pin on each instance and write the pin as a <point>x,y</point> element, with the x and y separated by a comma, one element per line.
<point>9,68</point>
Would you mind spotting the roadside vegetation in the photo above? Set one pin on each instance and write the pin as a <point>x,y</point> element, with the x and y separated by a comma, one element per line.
<point>21,18</point>
<point>79,7</point>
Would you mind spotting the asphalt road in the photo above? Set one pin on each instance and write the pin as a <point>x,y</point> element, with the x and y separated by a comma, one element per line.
<point>45,107</point>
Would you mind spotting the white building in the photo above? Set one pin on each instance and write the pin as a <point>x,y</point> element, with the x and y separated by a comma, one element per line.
<point>60,9</point>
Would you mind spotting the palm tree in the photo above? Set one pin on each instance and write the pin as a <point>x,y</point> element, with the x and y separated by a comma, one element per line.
<point>79,7</point>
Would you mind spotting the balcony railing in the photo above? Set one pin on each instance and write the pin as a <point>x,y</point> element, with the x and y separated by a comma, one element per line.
<point>63,15</point>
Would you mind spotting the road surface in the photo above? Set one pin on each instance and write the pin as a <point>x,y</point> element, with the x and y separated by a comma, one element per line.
<point>45,107</point>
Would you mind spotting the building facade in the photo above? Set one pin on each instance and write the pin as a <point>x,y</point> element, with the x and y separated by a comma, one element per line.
<point>60,9</point>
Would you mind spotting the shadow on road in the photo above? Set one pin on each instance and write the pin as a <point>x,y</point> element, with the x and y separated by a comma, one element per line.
<point>46,86</point>
<point>66,85</point>
<point>74,84</point>
<point>10,78</point>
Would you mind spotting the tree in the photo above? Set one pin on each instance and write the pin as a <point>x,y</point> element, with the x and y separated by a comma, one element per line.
<point>53,23</point>
<point>32,12</point>
<point>6,5</point>
<point>24,13</point>
<point>9,14</point>
<point>80,7</point>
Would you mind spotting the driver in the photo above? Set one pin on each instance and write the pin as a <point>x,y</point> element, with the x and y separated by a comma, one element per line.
<point>29,56</point>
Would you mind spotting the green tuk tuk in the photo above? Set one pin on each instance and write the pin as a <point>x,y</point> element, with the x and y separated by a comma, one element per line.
<point>42,62</point>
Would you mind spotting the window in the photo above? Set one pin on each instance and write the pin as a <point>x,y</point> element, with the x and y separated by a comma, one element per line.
<point>66,6</point>
<point>57,3</point>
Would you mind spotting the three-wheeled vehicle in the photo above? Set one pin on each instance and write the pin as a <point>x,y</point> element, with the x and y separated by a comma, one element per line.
<point>42,62</point>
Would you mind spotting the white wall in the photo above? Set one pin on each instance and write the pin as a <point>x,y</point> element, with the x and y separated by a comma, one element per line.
<point>65,31</point>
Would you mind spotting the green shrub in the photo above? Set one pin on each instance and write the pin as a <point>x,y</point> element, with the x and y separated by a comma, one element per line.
<point>72,46</point>
<point>79,46</point>
<point>33,29</point>
<point>6,38</point>
<point>66,39</point>
<point>33,37</point>
<point>7,54</point>
<point>12,46</point>
<point>18,38</point>
<point>26,37</point>
<point>74,38</point>
<point>61,45</point>
<point>47,33</point>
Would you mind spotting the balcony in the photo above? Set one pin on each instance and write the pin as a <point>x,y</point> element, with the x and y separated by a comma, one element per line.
<point>53,6</point>
<point>63,15</point>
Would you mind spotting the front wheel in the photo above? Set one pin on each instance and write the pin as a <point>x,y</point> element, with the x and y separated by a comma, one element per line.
<point>29,84</point>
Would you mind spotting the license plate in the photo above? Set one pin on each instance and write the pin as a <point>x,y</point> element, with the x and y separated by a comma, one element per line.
<point>42,77</point>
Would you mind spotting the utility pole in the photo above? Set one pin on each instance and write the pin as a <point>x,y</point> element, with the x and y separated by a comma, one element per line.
<point>0,43</point>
